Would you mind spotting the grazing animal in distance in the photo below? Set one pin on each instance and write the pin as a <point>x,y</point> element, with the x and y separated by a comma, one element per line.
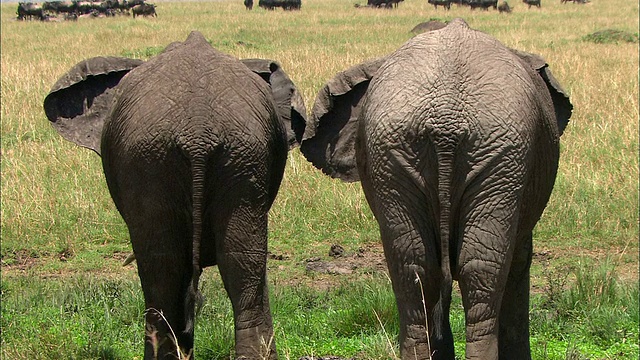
<point>385,4</point>
<point>145,10</point>
<point>29,10</point>
<point>504,7</point>
<point>483,4</point>
<point>444,3</point>
<point>284,4</point>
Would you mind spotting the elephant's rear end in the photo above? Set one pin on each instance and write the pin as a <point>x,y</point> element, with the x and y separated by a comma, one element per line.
<point>458,150</point>
<point>191,114</point>
<point>193,155</point>
<point>455,140</point>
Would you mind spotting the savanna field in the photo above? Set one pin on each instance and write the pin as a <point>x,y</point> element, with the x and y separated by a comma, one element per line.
<point>66,295</point>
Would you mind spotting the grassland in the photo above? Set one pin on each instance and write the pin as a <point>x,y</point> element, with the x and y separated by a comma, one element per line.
<point>65,295</point>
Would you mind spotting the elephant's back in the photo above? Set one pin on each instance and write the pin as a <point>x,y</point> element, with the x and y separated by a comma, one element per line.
<point>445,77</point>
<point>194,99</point>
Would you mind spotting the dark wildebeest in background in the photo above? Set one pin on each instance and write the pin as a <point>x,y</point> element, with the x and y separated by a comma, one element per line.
<point>445,3</point>
<point>144,10</point>
<point>28,10</point>
<point>504,7</point>
<point>483,4</point>
<point>284,4</point>
<point>387,4</point>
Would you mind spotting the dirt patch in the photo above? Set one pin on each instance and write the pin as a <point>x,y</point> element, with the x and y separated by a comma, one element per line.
<point>339,262</point>
<point>431,25</point>
<point>331,270</point>
<point>64,264</point>
<point>21,260</point>
<point>328,271</point>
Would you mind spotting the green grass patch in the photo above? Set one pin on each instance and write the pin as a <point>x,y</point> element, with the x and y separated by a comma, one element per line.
<point>86,317</point>
<point>609,36</point>
<point>586,312</point>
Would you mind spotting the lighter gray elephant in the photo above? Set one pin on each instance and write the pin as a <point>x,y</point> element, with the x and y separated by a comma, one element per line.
<point>193,150</point>
<point>455,139</point>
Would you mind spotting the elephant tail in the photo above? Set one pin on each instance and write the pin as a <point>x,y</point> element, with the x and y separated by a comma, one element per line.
<point>194,298</point>
<point>445,150</point>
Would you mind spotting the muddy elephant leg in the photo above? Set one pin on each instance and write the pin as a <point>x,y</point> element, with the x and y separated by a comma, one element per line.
<point>407,229</point>
<point>242,261</point>
<point>514,312</point>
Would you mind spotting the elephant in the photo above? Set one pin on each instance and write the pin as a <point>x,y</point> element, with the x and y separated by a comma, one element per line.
<point>455,140</point>
<point>432,24</point>
<point>193,152</point>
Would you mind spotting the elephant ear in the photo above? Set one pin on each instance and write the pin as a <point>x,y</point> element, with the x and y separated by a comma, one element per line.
<point>289,103</point>
<point>561,103</point>
<point>80,100</point>
<point>330,136</point>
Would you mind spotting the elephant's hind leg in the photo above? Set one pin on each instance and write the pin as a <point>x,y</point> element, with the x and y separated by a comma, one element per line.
<point>425,331</point>
<point>514,312</point>
<point>160,232</point>
<point>164,268</point>
<point>408,234</point>
<point>169,321</point>
<point>241,253</point>
<point>484,261</point>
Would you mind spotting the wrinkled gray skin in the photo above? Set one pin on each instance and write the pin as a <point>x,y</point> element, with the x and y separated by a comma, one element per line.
<point>455,139</point>
<point>193,152</point>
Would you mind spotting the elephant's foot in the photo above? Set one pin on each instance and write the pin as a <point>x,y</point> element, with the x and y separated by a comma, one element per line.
<point>483,349</point>
<point>415,345</point>
<point>256,343</point>
<point>164,346</point>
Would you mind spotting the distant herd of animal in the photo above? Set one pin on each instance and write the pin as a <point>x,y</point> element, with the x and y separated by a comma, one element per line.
<point>272,4</point>
<point>71,10</point>
<point>473,4</point>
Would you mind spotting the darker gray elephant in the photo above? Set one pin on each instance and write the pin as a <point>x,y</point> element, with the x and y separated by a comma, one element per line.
<point>193,152</point>
<point>455,139</point>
